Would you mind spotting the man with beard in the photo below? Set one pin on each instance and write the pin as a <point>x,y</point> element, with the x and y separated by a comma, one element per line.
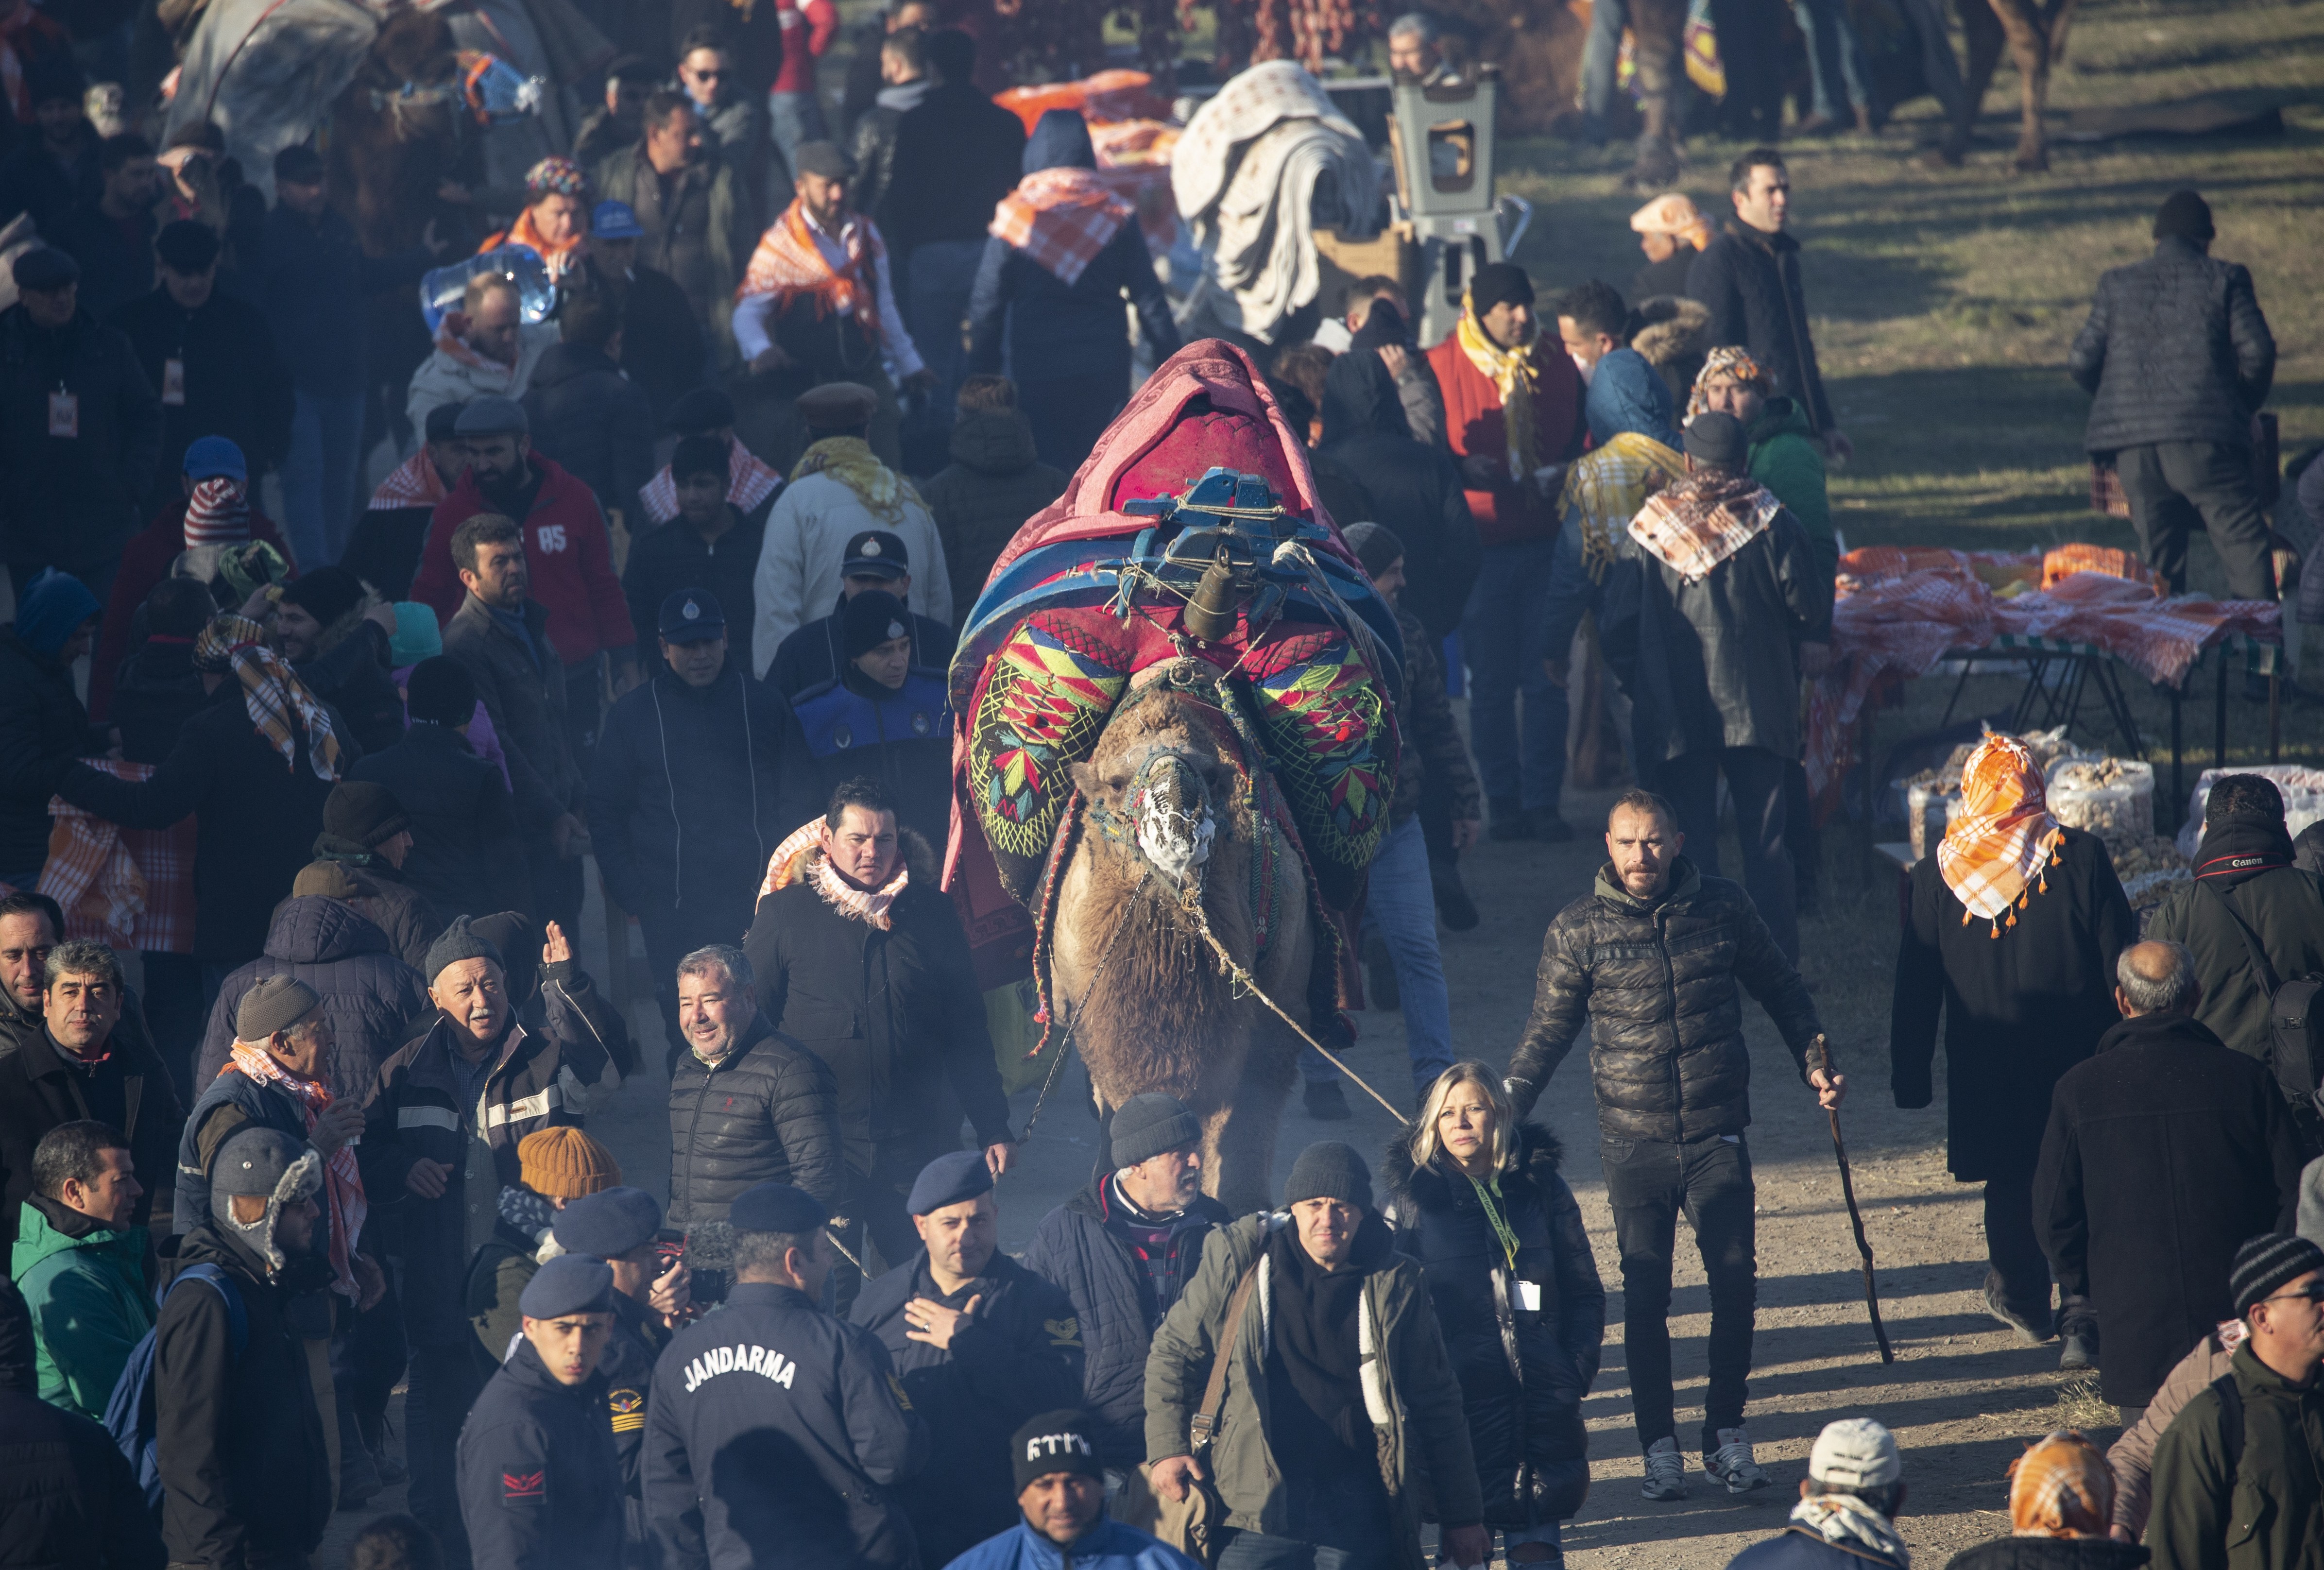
<point>441,1130</point>
<point>385,549</point>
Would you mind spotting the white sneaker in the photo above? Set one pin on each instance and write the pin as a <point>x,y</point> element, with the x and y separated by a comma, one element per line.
<point>1732,1462</point>
<point>1666,1471</point>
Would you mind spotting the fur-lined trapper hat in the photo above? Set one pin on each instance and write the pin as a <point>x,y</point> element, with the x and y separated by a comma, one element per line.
<point>262,1162</point>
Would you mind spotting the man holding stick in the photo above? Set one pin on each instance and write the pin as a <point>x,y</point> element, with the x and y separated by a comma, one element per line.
<point>1652,958</point>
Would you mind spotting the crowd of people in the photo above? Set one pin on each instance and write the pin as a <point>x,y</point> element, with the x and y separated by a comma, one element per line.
<point>797,391</point>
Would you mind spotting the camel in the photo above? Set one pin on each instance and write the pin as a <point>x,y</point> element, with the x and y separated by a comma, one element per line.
<point>1169,818</point>
<point>2036,33</point>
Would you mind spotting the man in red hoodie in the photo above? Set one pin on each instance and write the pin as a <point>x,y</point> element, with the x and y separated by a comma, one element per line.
<point>1497,363</point>
<point>567,552</point>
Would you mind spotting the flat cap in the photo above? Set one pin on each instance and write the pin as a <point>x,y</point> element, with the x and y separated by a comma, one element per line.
<point>1713,437</point>
<point>608,1223</point>
<point>459,942</point>
<point>45,267</point>
<point>838,405</point>
<point>1147,1125</point>
<point>568,1284</point>
<point>276,1004</point>
<point>776,1207</point>
<point>366,812</point>
<point>825,159</point>
<point>492,415</point>
<point>950,1178</point>
<point>691,614</point>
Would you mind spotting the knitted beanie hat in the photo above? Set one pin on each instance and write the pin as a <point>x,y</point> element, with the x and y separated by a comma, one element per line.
<point>564,1163</point>
<point>1329,1169</point>
<point>2265,1263</point>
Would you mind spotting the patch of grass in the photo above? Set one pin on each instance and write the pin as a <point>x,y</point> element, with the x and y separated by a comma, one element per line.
<point>2079,1406</point>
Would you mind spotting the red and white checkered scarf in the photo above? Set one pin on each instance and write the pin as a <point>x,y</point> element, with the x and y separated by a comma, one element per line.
<point>414,484</point>
<point>1061,218</point>
<point>749,481</point>
<point>869,905</point>
<point>342,1178</point>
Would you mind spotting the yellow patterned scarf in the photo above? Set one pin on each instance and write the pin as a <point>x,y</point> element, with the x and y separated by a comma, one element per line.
<point>850,460</point>
<point>1606,487</point>
<point>278,703</point>
<point>1511,372</point>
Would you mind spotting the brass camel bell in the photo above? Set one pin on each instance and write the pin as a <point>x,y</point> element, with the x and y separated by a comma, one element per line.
<point>1211,614</point>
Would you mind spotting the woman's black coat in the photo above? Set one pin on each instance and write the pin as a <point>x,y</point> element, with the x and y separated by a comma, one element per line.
<point>2019,1010</point>
<point>1533,1457</point>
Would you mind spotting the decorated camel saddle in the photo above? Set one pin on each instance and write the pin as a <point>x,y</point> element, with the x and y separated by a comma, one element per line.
<point>1188,559</point>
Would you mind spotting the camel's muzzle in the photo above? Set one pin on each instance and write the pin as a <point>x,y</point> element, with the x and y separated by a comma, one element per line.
<point>1172,808</point>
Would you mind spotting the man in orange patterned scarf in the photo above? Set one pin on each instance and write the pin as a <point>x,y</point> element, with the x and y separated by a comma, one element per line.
<point>817,304</point>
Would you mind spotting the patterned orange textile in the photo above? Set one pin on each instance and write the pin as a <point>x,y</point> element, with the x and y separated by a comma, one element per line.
<point>788,264</point>
<point>127,888</point>
<point>2061,1488</point>
<point>1061,218</point>
<point>342,1178</point>
<point>1996,850</point>
<point>522,233</point>
<point>2068,560</point>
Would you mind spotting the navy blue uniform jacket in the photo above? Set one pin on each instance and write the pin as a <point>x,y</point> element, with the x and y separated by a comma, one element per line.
<point>539,1486</point>
<point>774,1436</point>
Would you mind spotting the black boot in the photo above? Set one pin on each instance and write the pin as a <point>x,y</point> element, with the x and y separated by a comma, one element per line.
<point>1452,903</point>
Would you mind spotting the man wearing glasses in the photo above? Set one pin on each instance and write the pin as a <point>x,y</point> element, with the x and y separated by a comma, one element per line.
<point>2165,1150</point>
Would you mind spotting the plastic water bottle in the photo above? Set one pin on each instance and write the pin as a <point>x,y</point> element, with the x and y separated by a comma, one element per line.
<point>440,291</point>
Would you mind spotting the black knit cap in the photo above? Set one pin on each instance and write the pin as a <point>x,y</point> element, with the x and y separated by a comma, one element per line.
<point>1053,1442</point>
<point>459,942</point>
<point>186,246</point>
<point>2268,1263</point>
<point>326,594</point>
<point>1328,1169</point>
<point>1375,545</point>
<point>440,691</point>
<point>873,618</point>
<point>1499,283</point>
<point>2184,213</point>
<point>1147,1125</point>
<point>1713,437</point>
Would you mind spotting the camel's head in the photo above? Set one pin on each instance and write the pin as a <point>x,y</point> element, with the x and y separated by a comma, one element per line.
<point>1159,781</point>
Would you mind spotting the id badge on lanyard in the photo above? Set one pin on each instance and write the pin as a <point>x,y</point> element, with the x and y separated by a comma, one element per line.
<point>173,382</point>
<point>64,413</point>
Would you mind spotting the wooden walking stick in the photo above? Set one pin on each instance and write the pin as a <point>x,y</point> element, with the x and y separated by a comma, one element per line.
<point>1819,1058</point>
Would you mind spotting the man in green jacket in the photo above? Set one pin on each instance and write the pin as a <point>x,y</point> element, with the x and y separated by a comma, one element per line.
<point>2236,1479</point>
<point>1785,457</point>
<point>81,1264</point>
<point>1338,1397</point>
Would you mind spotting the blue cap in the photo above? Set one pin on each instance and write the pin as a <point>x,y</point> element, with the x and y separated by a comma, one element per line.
<point>608,1223</point>
<point>615,221</point>
<point>776,1207</point>
<point>208,456</point>
<point>568,1284</point>
<point>50,609</point>
<point>690,616</point>
<point>949,1179</point>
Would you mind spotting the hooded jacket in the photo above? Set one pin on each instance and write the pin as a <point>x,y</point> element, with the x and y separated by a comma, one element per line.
<point>690,790</point>
<point>369,994</point>
<point>2164,1152</point>
<point>590,417</point>
<point>1661,986</point>
<point>890,1012</point>
<point>1411,1393</point>
<point>84,1284</point>
<point>993,485</point>
<point>1750,280</point>
<point>256,817</point>
<point>1415,489</point>
<point>1059,329</point>
<point>1785,459</point>
<point>2175,349</point>
<point>1525,1363</point>
<point>2283,905</point>
<point>71,501</point>
<point>1115,1300</point>
<point>373,887</point>
<point>1714,662</point>
<point>467,856</point>
<point>540,1487</point>
<point>1627,393</point>
<point>43,729</point>
<point>240,1440</point>
<point>766,1113</point>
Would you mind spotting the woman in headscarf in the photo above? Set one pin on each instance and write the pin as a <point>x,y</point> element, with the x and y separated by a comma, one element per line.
<point>1064,250</point>
<point>554,218</point>
<point>2014,928</point>
<point>2060,1505</point>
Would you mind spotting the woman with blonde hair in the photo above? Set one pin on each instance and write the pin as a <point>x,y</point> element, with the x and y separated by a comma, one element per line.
<point>1475,1196</point>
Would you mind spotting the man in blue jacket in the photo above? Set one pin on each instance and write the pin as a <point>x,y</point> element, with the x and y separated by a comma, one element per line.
<point>1849,1500</point>
<point>981,1343</point>
<point>776,1434</point>
<point>1061,1492</point>
<point>539,1486</point>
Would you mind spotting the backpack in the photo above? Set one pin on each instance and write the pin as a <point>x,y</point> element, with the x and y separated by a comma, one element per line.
<point>2295,1033</point>
<point>2231,1421</point>
<point>130,1415</point>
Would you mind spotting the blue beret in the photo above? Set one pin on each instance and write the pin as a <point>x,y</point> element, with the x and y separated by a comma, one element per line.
<point>608,1223</point>
<point>568,1284</point>
<point>948,1180</point>
<point>776,1207</point>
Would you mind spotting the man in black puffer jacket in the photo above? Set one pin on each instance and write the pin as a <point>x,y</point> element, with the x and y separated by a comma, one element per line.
<point>747,1103</point>
<point>2177,359</point>
<point>1656,959</point>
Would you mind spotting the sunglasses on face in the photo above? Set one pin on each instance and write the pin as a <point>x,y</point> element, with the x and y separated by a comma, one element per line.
<point>2312,1292</point>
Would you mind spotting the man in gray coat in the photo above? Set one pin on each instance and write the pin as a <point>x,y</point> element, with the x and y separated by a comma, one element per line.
<point>2177,359</point>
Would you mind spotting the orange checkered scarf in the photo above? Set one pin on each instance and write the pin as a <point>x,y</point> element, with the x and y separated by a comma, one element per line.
<point>788,264</point>
<point>2061,1488</point>
<point>789,864</point>
<point>278,703</point>
<point>1997,852</point>
<point>1061,218</point>
<point>342,1178</point>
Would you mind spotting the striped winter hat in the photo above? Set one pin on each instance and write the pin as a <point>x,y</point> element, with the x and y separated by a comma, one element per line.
<point>2265,1263</point>
<point>217,513</point>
